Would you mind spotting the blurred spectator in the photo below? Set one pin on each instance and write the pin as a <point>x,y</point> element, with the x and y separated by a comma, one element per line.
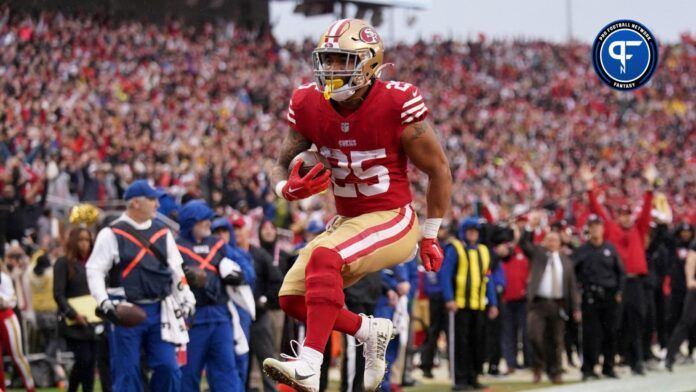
<point>10,328</point>
<point>571,336</point>
<point>242,297</point>
<point>268,241</point>
<point>467,289</point>
<point>86,341</point>
<point>601,278</point>
<point>682,240</point>
<point>514,310</point>
<point>687,322</point>
<point>12,206</point>
<point>660,256</point>
<point>629,238</point>
<point>268,280</point>
<point>46,338</point>
<point>439,320</point>
<point>494,326</point>
<point>657,258</point>
<point>17,263</point>
<point>552,296</point>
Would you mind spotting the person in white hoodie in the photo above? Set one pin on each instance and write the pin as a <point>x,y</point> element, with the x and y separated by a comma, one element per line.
<point>138,257</point>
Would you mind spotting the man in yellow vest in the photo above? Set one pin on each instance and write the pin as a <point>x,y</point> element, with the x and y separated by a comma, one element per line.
<point>467,291</point>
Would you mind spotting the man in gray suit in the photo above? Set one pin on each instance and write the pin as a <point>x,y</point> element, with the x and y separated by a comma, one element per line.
<point>552,296</point>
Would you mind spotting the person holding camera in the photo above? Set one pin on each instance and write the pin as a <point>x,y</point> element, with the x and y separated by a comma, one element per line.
<point>138,257</point>
<point>601,278</point>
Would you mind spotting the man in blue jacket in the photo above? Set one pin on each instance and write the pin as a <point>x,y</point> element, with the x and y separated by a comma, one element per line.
<point>208,270</point>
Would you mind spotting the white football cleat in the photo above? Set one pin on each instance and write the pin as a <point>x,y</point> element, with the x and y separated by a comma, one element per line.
<point>374,350</point>
<point>297,374</point>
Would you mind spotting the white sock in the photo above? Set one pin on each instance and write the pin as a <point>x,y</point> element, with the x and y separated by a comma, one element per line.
<point>364,331</point>
<point>313,357</point>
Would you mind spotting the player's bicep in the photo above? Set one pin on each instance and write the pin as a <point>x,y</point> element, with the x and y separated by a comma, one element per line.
<point>423,149</point>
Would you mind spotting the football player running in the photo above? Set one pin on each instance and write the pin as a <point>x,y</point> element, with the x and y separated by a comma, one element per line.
<point>368,129</point>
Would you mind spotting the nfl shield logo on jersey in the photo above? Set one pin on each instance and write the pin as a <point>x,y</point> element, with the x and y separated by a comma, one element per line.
<point>345,127</point>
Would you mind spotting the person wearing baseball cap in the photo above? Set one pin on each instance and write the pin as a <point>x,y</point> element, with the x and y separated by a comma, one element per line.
<point>601,276</point>
<point>208,270</point>
<point>135,259</point>
<point>141,188</point>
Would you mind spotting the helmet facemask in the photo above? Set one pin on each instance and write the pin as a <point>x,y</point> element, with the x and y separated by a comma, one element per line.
<point>340,83</point>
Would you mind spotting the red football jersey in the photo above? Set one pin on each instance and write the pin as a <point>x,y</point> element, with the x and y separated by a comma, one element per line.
<point>364,148</point>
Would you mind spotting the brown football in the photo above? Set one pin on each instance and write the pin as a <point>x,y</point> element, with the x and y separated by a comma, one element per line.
<point>195,277</point>
<point>129,314</point>
<point>309,159</point>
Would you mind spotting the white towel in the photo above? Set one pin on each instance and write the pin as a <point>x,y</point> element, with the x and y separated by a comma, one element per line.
<point>173,323</point>
<point>401,320</point>
<point>241,345</point>
<point>243,297</point>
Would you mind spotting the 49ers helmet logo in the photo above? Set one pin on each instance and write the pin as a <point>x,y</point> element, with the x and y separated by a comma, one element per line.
<point>368,35</point>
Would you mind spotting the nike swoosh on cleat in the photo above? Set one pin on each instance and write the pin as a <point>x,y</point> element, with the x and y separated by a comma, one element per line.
<point>300,378</point>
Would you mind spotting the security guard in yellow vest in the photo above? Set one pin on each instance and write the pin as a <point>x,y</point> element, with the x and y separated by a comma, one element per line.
<point>467,291</point>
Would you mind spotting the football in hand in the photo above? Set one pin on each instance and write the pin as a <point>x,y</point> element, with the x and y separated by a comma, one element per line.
<point>309,159</point>
<point>129,314</point>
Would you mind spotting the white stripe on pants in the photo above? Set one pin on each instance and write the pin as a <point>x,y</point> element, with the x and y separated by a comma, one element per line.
<point>14,341</point>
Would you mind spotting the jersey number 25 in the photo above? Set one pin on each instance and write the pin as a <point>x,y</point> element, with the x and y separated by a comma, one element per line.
<point>344,166</point>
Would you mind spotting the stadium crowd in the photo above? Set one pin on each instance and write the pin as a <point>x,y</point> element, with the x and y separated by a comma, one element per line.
<point>88,106</point>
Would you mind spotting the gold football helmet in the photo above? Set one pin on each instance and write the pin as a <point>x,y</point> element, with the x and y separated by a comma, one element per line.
<point>358,44</point>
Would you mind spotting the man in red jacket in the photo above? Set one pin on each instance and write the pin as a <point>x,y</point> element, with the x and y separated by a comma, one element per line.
<point>629,238</point>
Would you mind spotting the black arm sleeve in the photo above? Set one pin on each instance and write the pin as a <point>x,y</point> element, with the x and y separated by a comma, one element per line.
<point>60,283</point>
